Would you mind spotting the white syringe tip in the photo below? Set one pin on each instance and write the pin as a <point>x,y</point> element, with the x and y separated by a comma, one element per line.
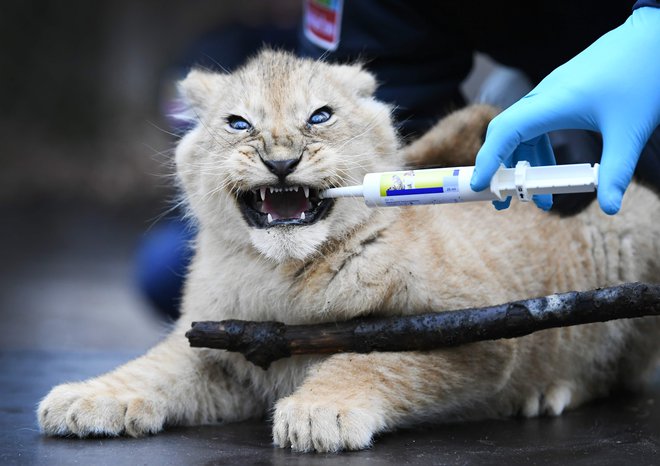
<point>344,191</point>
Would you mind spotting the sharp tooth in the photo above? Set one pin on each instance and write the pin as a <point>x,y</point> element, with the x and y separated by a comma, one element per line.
<point>270,218</point>
<point>302,215</point>
<point>271,189</point>
<point>262,192</point>
<point>306,189</point>
<point>295,188</point>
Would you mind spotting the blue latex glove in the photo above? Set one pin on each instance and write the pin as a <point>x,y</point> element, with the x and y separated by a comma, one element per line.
<point>612,87</point>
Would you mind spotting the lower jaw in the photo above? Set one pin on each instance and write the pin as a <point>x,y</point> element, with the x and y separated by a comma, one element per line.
<point>257,219</point>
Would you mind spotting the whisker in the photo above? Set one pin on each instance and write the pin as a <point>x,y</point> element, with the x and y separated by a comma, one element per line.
<point>163,130</point>
<point>210,133</point>
<point>216,63</point>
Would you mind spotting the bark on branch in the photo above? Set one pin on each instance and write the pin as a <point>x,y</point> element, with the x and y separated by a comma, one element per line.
<point>265,342</point>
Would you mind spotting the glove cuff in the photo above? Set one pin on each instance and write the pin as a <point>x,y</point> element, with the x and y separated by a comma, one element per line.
<point>651,3</point>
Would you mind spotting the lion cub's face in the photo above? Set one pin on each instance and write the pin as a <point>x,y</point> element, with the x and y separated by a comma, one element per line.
<point>269,137</point>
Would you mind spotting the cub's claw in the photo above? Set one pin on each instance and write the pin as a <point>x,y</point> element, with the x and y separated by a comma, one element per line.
<point>75,409</point>
<point>306,425</point>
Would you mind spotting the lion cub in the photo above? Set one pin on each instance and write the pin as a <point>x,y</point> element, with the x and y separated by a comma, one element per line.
<point>268,138</point>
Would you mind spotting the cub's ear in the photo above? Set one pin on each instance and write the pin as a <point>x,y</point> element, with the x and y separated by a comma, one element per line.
<point>198,88</point>
<point>357,78</point>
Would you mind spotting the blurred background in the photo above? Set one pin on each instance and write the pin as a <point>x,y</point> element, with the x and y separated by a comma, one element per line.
<point>87,192</point>
<point>86,153</point>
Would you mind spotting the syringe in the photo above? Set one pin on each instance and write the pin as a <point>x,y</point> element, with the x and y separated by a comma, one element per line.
<point>450,185</point>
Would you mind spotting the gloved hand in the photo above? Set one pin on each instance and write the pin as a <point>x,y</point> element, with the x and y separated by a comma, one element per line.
<point>612,87</point>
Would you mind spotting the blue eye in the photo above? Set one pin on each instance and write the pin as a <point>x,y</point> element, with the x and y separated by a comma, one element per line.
<point>238,123</point>
<point>320,115</point>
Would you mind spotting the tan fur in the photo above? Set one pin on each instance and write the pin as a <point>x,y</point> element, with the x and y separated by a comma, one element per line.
<point>454,141</point>
<point>359,261</point>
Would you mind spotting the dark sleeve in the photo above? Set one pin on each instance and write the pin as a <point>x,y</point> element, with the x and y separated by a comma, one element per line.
<point>421,51</point>
<point>415,49</point>
<point>641,3</point>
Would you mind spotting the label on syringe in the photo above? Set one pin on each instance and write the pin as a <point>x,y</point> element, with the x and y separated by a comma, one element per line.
<point>413,187</point>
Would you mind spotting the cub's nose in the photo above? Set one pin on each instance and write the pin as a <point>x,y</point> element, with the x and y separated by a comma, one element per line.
<point>281,168</point>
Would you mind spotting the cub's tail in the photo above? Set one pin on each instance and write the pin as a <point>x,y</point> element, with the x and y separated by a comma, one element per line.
<point>454,141</point>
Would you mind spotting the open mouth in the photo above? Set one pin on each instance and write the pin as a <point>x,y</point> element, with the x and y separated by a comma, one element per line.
<point>269,206</point>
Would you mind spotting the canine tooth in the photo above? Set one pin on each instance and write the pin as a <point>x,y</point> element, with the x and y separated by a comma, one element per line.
<point>306,189</point>
<point>270,218</point>
<point>302,215</point>
<point>262,192</point>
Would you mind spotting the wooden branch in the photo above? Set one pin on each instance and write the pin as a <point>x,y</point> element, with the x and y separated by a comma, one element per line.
<point>265,342</point>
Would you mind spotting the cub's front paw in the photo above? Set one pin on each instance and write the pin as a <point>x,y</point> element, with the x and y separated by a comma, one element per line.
<point>308,424</point>
<point>77,409</point>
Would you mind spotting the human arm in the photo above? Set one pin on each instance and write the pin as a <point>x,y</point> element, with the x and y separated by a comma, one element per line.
<point>611,87</point>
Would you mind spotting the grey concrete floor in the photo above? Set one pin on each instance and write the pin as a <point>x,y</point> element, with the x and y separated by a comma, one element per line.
<point>69,310</point>
<point>67,281</point>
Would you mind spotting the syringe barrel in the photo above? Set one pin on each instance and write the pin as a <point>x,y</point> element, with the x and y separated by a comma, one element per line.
<point>416,187</point>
